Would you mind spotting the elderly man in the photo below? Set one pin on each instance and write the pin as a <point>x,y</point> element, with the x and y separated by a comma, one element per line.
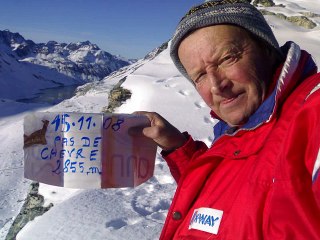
<point>259,179</point>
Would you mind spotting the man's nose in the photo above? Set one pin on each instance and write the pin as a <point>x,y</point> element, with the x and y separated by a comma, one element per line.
<point>218,83</point>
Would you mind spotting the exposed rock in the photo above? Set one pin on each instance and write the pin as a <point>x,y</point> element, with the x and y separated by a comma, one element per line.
<point>155,52</point>
<point>118,95</point>
<point>32,208</point>
<point>264,3</point>
<point>310,14</point>
<point>301,21</point>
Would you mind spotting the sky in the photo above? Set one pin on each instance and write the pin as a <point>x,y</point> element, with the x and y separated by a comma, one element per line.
<point>122,27</point>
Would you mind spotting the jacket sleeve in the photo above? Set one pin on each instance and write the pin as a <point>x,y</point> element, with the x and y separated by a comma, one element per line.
<point>179,159</point>
<point>316,179</point>
<point>314,161</point>
<point>304,141</point>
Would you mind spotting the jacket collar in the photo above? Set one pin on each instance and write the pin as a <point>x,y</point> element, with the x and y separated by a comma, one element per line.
<point>297,66</point>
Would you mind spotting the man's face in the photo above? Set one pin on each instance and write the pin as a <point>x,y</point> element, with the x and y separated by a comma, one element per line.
<point>229,70</point>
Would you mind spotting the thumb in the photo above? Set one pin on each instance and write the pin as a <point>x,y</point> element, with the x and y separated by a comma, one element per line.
<point>136,131</point>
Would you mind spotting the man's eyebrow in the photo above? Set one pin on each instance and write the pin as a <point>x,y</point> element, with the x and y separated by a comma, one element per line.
<point>233,47</point>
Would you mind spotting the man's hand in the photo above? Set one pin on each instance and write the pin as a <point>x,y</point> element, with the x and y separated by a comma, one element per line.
<point>161,131</point>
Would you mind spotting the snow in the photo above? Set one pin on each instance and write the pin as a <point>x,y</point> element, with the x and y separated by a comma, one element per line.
<point>301,5</point>
<point>127,213</point>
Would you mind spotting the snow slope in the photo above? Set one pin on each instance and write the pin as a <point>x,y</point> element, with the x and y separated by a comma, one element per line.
<point>126,213</point>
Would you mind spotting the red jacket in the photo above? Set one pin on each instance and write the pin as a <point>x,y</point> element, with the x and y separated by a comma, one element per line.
<point>259,182</point>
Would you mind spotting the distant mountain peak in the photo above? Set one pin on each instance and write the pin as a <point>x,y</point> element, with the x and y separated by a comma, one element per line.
<point>79,62</point>
<point>84,45</point>
<point>10,38</point>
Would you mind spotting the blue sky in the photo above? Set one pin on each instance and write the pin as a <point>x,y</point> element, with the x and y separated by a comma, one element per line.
<point>131,28</point>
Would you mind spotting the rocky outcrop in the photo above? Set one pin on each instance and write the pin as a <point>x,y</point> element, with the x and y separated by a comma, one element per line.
<point>301,21</point>
<point>118,95</point>
<point>155,52</point>
<point>265,3</point>
<point>32,208</point>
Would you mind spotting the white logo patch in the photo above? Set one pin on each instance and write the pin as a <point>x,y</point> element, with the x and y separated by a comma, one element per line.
<point>206,219</point>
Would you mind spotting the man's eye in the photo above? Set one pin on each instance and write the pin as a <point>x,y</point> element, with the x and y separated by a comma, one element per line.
<point>229,59</point>
<point>199,78</point>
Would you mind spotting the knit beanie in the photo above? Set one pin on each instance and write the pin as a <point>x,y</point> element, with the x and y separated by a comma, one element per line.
<point>236,12</point>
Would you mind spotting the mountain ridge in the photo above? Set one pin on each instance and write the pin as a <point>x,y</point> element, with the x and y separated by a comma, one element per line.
<point>52,64</point>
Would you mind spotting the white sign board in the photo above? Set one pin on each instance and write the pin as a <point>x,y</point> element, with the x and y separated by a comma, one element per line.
<point>85,150</point>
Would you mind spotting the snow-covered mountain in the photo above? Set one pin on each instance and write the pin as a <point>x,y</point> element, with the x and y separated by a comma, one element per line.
<point>50,64</point>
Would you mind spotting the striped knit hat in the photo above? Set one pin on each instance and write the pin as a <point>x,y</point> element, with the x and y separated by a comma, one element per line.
<point>236,12</point>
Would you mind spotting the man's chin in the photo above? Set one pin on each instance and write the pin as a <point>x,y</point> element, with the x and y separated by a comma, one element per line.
<point>237,121</point>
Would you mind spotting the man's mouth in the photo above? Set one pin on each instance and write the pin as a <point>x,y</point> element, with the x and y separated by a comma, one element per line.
<point>228,100</point>
<point>231,100</point>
